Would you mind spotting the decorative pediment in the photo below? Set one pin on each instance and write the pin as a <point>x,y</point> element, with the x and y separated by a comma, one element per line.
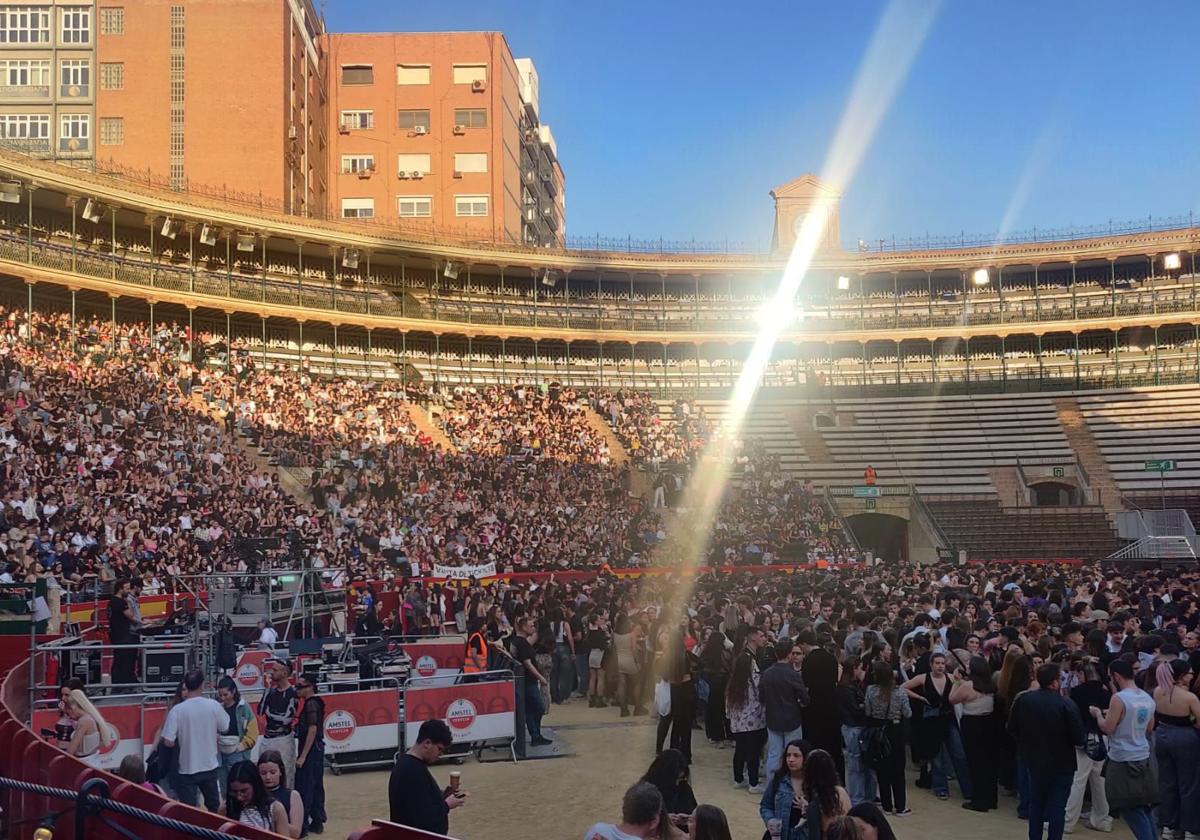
<point>806,186</point>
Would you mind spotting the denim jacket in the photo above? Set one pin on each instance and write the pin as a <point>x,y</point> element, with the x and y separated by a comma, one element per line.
<point>777,804</point>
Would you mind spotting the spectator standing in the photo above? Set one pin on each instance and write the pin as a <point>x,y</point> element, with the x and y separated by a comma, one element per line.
<point>747,720</point>
<point>280,705</point>
<point>194,725</point>
<point>1177,748</point>
<point>976,694</point>
<point>121,632</point>
<point>783,800</point>
<point>714,664</point>
<point>887,707</point>
<point>1130,779</point>
<point>1047,729</point>
<point>1090,758</point>
<point>310,756</point>
<point>861,782</point>
<point>413,796</point>
<point>676,670</point>
<point>238,740</point>
<point>821,719</point>
<point>784,695</point>
<point>524,653</point>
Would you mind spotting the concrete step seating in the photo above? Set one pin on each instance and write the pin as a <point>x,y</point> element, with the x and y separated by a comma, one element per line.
<point>990,532</point>
<point>1134,426</point>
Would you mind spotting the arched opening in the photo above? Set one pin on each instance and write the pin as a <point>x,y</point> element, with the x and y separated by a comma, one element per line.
<point>1053,494</point>
<point>881,533</point>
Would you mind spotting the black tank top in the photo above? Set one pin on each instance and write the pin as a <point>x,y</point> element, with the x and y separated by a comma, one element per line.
<point>283,796</point>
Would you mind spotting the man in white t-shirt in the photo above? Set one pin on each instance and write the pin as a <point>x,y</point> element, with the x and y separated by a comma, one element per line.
<point>641,809</point>
<point>193,725</point>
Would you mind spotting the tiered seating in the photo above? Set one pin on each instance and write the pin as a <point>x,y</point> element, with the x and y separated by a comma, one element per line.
<point>990,532</point>
<point>765,423</point>
<point>1134,426</point>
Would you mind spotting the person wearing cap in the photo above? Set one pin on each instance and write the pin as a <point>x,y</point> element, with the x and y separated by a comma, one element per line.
<point>1099,618</point>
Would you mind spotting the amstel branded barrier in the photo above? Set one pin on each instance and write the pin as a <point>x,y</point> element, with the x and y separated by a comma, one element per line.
<point>250,673</point>
<point>479,711</point>
<point>436,656</point>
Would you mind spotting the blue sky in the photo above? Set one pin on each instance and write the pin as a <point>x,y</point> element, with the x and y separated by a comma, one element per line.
<point>676,119</point>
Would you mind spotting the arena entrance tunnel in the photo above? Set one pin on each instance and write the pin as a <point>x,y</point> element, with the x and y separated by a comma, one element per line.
<point>881,533</point>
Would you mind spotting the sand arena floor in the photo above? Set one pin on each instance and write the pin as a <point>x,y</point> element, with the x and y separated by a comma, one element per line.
<point>560,798</point>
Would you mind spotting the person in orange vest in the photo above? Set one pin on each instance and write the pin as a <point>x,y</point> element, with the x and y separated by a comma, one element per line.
<point>869,476</point>
<point>476,659</point>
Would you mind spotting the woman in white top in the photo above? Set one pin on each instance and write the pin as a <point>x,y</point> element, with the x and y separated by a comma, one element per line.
<point>976,692</point>
<point>91,732</point>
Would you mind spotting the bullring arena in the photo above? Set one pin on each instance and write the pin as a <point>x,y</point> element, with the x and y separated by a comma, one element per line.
<point>608,537</point>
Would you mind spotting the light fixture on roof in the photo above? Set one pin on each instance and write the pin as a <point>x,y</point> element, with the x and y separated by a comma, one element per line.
<point>92,210</point>
<point>1172,262</point>
<point>208,235</point>
<point>10,192</point>
<point>245,242</point>
<point>350,258</point>
<point>843,283</point>
<point>980,277</point>
<point>451,270</point>
<point>170,228</point>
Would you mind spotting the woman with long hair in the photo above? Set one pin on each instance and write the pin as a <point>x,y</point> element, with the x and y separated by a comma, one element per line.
<point>626,639</point>
<point>976,693</point>
<point>1177,747</point>
<point>91,732</point>
<point>273,773</point>
<point>827,800</point>
<point>783,799</point>
<point>887,708</point>
<point>241,735</point>
<point>1016,675</point>
<point>708,822</point>
<point>250,804</point>
<point>939,742</point>
<point>747,720</point>
<point>851,696</point>
<point>714,667</point>
<point>669,773</point>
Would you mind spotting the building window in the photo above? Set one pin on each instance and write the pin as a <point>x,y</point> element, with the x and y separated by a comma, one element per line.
<point>75,132</point>
<point>358,163</point>
<point>358,208</point>
<point>76,77</point>
<point>76,26</point>
<point>414,120</point>
<point>413,163</point>
<point>353,120</point>
<point>470,117</point>
<point>412,74</point>
<point>465,74</point>
<point>21,73</point>
<point>416,206</point>
<point>112,21</point>
<point>112,131</point>
<point>470,205</point>
<point>24,25</point>
<point>358,74</point>
<point>112,75</point>
<point>34,127</point>
<point>470,162</point>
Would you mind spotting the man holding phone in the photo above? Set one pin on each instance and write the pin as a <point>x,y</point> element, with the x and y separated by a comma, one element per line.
<point>413,795</point>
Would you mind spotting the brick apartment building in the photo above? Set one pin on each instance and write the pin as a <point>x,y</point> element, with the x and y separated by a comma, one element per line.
<point>253,96</point>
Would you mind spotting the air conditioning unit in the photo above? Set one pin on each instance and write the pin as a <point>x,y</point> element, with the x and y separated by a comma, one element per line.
<point>402,175</point>
<point>208,235</point>
<point>478,86</point>
<point>420,130</point>
<point>344,128</point>
<point>293,132</point>
<point>457,174</point>
<point>365,173</point>
<point>460,129</point>
<point>418,174</point>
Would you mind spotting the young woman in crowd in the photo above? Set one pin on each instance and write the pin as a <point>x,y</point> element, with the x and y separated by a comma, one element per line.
<point>783,800</point>
<point>714,668</point>
<point>273,773</point>
<point>747,720</point>
<point>91,732</point>
<point>708,822</point>
<point>887,709</point>
<point>1177,748</point>
<point>827,800</point>
<point>250,804</point>
<point>241,735</point>
<point>976,695</point>
<point>669,773</point>
<point>851,696</point>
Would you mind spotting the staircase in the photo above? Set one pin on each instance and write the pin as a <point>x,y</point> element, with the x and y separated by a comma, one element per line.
<point>425,423</point>
<point>1008,486</point>
<point>600,426</point>
<point>1080,437</point>
<point>811,439</point>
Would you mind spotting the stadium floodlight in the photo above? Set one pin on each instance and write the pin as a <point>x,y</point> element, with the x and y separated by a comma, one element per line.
<point>245,242</point>
<point>1172,262</point>
<point>350,258</point>
<point>10,192</point>
<point>92,211</point>
<point>843,283</point>
<point>170,228</point>
<point>980,277</point>
<point>208,235</point>
<point>451,270</point>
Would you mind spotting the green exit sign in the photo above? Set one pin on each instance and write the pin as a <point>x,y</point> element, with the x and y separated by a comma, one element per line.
<point>1160,466</point>
<point>870,503</point>
<point>1059,472</point>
